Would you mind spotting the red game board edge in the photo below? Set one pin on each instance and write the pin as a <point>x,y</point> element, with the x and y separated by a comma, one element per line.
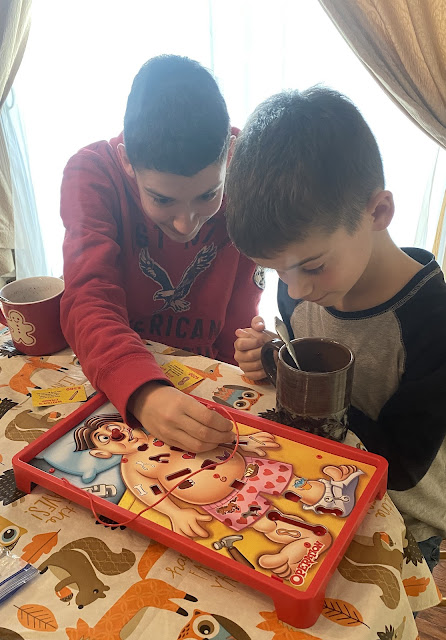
<point>26,473</point>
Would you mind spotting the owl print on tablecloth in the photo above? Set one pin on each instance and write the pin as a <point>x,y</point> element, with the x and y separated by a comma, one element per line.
<point>236,396</point>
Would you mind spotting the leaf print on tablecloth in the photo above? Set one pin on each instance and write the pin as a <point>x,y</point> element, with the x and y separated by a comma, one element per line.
<point>9,494</point>
<point>37,617</point>
<point>40,544</point>
<point>390,633</point>
<point>282,631</point>
<point>414,586</point>
<point>411,550</point>
<point>342,613</point>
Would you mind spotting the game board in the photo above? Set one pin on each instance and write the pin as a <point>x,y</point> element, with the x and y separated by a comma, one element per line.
<point>277,515</point>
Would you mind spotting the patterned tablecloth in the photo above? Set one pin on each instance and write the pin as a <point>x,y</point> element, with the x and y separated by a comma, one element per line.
<point>141,586</point>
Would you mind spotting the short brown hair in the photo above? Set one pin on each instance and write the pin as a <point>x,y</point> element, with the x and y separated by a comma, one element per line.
<point>305,160</point>
<point>82,435</point>
<point>176,120</point>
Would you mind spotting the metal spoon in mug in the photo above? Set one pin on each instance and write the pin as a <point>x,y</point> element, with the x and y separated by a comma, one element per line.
<point>285,336</point>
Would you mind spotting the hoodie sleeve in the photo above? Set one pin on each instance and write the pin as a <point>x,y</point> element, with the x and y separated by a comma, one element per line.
<point>93,310</point>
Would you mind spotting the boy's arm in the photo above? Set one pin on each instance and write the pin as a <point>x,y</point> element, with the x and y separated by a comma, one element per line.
<point>93,310</point>
<point>242,307</point>
<point>95,321</point>
<point>411,426</point>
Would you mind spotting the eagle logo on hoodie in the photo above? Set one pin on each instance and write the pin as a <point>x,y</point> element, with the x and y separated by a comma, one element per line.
<point>175,297</point>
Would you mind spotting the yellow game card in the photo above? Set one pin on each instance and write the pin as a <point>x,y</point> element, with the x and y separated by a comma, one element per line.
<point>180,375</point>
<point>58,395</point>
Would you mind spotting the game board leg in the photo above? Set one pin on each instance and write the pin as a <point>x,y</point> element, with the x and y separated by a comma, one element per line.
<point>299,613</point>
<point>22,482</point>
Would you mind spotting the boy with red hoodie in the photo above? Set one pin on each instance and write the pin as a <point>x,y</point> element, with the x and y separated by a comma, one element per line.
<point>147,254</point>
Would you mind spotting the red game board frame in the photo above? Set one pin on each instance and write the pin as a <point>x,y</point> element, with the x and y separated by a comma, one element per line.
<point>297,608</point>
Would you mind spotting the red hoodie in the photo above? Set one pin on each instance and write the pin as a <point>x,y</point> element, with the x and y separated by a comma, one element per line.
<point>125,280</point>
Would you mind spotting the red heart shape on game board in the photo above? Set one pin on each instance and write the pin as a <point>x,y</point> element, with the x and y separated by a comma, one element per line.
<point>276,493</point>
<point>260,463</point>
<point>271,462</point>
<point>283,468</point>
<point>280,479</point>
<point>242,520</point>
<point>227,521</point>
<point>240,497</point>
<point>269,485</point>
<point>267,472</point>
<point>251,490</point>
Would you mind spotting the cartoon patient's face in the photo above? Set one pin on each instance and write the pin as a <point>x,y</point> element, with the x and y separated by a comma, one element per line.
<point>167,465</point>
<point>117,438</point>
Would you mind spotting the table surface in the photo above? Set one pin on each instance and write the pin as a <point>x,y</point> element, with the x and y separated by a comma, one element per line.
<point>141,585</point>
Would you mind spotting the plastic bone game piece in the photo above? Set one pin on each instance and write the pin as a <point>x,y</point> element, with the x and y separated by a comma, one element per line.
<point>279,512</point>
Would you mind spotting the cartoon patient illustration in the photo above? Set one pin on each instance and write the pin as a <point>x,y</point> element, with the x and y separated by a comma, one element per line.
<point>233,493</point>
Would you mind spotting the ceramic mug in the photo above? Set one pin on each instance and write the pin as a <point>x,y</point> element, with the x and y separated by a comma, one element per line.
<point>31,309</point>
<point>316,397</point>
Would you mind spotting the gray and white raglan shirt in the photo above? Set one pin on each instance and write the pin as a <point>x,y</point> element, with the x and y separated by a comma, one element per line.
<point>399,386</point>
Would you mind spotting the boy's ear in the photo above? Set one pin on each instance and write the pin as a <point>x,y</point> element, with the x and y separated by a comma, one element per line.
<point>125,161</point>
<point>97,453</point>
<point>381,207</point>
<point>232,140</point>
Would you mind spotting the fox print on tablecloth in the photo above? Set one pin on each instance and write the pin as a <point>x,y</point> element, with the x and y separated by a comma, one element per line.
<point>21,382</point>
<point>151,592</point>
<point>80,570</point>
<point>210,373</point>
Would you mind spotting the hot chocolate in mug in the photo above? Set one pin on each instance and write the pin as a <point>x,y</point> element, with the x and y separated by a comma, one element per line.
<point>314,398</point>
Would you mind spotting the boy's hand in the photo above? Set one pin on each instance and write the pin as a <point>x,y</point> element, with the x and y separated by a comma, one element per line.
<point>177,419</point>
<point>248,346</point>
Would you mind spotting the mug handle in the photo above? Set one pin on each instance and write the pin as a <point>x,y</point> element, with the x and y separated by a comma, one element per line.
<point>268,360</point>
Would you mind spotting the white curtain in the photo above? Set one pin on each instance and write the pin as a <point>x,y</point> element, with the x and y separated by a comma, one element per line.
<point>28,246</point>
<point>90,52</point>
<point>431,231</point>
